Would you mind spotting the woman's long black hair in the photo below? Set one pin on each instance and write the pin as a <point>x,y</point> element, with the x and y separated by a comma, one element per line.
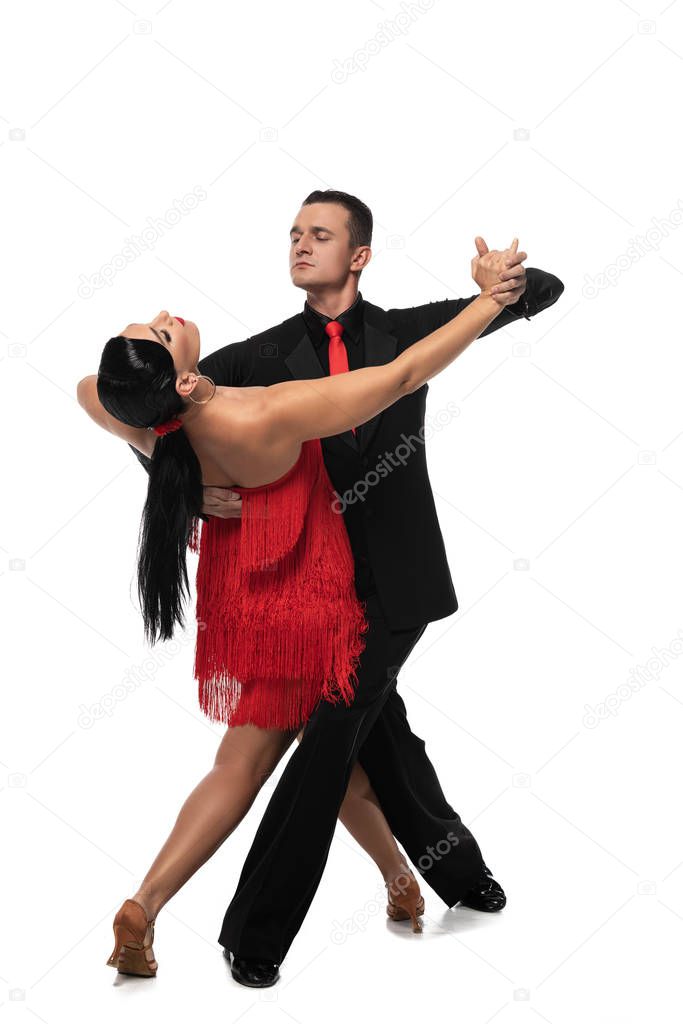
<point>136,384</point>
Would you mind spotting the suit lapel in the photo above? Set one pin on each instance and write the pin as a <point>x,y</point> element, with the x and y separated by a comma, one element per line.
<point>380,348</point>
<point>303,364</point>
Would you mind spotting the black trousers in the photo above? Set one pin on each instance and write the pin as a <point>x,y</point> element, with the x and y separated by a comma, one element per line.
<point>284,866</point>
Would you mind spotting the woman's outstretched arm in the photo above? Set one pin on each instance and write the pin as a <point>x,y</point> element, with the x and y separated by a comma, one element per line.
<point>299,410</point>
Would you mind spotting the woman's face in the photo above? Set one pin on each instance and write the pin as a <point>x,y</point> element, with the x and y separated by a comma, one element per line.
<point>180,337</point>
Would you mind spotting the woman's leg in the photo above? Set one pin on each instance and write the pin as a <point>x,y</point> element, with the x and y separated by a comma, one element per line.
<point>245,758</point>
<point>362,815</point>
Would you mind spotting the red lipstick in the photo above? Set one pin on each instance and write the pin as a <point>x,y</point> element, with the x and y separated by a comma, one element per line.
<point>180,320</point>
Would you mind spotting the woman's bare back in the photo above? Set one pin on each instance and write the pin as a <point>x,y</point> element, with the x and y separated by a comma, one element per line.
<point>227,443</point>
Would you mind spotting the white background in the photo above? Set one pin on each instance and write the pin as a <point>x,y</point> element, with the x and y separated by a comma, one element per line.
<point>559,484</point>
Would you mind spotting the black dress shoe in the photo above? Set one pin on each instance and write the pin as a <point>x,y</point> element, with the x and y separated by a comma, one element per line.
<point>486,894</point>
<point>254,973</point>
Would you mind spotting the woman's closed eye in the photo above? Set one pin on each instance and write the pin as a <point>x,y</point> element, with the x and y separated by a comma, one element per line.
<point>166,335</point>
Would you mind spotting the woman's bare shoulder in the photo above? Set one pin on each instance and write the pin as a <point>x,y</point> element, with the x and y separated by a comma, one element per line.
<point>241,446</point>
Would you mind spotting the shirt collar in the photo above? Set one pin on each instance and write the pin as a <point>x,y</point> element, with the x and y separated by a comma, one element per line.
<point>351,320</point>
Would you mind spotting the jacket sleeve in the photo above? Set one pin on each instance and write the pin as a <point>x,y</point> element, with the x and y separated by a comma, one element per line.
<point>230,366</point>
<point>542,290</point>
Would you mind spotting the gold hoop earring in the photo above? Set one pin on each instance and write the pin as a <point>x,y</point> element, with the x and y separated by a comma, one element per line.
<point>200,376</point>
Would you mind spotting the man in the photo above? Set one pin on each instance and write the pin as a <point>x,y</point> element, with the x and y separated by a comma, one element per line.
<point>401,572</point>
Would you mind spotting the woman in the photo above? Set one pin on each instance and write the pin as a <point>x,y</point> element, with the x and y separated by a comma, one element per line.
<point>267,438</point>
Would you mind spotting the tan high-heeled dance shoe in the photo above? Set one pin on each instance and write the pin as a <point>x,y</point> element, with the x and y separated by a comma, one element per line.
<point>405,900</point>
<point>134,935</point>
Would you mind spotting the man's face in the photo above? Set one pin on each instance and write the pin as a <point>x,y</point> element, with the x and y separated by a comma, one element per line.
<point>320,254</point>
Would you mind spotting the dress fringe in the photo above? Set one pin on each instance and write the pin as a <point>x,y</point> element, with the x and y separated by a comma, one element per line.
<point>284,627</point>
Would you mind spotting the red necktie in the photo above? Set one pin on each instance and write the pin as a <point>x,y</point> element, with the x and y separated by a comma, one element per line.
<point>336,350</point>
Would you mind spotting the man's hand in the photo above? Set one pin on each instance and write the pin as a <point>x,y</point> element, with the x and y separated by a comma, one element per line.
<point>500,273</point>
<point>222,502</point>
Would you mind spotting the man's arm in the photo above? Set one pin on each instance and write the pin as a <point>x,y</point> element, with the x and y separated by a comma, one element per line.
<point>542,290</point>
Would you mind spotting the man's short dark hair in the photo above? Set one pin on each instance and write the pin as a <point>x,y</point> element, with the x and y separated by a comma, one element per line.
<point>360,216</point>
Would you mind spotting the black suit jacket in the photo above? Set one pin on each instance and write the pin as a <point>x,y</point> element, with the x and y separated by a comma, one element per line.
<point>389,514</point>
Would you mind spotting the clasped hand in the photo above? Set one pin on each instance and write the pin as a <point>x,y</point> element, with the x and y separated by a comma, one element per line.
<point>499,272</point>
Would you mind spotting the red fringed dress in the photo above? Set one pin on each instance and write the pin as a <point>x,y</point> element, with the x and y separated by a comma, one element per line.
<point>280,625</point>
